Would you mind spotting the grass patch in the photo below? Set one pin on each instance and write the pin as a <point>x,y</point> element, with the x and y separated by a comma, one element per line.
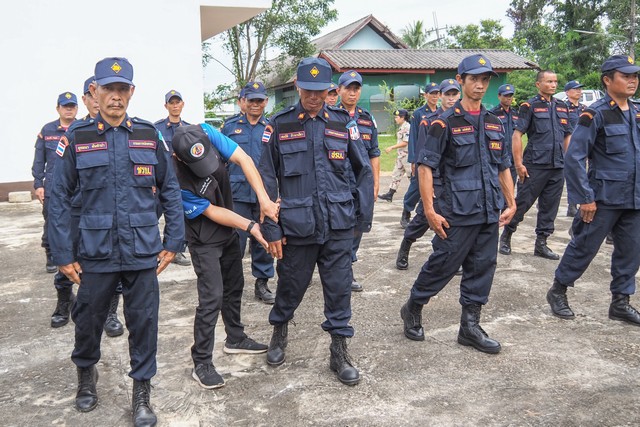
<point>387,161</point>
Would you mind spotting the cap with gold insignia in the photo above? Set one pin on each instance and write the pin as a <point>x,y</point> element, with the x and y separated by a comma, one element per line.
<point>476,64</point>
<point>313,74</point>
<point>66,98</point>
<point>432,87</point>
<point>87,82</point>
<point>573,84</point>
<point>449,84</point>
<point>506,90</point>
<point>171,94</point>
<point>623,63</point>
<point>333,87</point>
<point>255,90</point>
<point>114,70</point>
<point>402,113</point>
<point>349,77</point>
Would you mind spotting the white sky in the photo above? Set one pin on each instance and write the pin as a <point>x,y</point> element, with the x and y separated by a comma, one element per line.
<point>394,15</point>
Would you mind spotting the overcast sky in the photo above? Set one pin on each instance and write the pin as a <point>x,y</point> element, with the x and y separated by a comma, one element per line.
<point>396,16</point>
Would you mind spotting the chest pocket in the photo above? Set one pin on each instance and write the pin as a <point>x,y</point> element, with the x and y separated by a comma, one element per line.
<point>144,164</point>
<point>366,134</point>
<point>464,147</point>
<point>337,154</point>
<point>93,169</point>
<point>293,157</point>
<point>466,197</point>
<point>496,145</point>
<point>542,121</point>
<point>51,144</point>
<point>617,138</point>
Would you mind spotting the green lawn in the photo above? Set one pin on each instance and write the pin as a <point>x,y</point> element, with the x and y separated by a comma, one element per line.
<point>387,160</point>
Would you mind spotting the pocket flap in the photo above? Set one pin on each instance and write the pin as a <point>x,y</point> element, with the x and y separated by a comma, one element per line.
<point>473,184</point>
<point>296,203</point>
<point>143,219</point>
<point>610,175</point>
<point>293,147</point>
<point>611,130</point>
<point>92,159</point>
<point>344,196</point>
<point>96,222</point>
<point>145,157</point>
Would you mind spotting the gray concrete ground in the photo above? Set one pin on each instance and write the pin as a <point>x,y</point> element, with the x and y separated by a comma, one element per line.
<point>550,372</point>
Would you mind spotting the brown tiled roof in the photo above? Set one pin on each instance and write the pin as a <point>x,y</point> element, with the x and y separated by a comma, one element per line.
<point>420,60</point>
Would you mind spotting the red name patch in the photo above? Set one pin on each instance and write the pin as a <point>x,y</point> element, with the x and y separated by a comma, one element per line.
<point>91,146</point>
<point>143,170</point>
<point>142,144</point>
<point>288,136</point>
<point>52,137</point>
<point>562,109</point>
<point>336,134</point>
<point>365,122</point>
<point>493,126</point>
<point>462,130</point>
<point>540,110</point>
<point>337,155</point>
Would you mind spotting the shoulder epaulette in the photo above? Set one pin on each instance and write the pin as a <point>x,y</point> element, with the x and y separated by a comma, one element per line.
<point>159,122</point>
<point>80,123</point>
<point>525,104</point>
<point>283,111</point>
<point>143,122</point>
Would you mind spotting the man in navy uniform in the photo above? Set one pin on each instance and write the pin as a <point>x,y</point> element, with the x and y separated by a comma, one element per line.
<point>350,89</point>
<point>467,144</point>
<point>545,120</point>
<point>427,111</point>
<point>247,132</point>
<point>573,89</point>
<point>608,135</point>
<point>310,154</point>
<point>508,115</point>
<point>119,162</point>
<point>332,97</point>
<point>44,162</point>
<point>174,104</point>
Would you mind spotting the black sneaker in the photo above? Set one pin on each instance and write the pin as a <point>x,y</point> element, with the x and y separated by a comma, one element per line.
<point>246,346</point>
<point>181,259</point>
<point>207,376</point>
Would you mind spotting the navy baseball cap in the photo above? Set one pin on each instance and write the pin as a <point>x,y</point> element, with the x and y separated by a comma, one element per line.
<point>171,94</point>
<point>194,148</point>
<point>623,63</point>
<point>476,64</point>
<point>349,77</point>
<point>67,98</point>
<point>573,84</point>
<point>114,70</point>
<point>241,94</point>
<point>87,83</point>
<point>313,74</point>
<point>432,87</point>
<point>255,90</point>
<point>509,89</point>
<point>402,113</point>
<point>333,87</point>
<point>449,84</point>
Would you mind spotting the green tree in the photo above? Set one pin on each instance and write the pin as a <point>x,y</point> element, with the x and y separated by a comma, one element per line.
<point>487,35</point>
<point>622,28</point>
<point>414,35</point>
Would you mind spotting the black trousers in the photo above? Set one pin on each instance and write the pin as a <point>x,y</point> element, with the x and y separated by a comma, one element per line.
<point>220,284</point>
<point>544,185</point>
<point>141,302</point>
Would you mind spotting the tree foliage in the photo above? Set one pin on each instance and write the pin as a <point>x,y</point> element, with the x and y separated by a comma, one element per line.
<point>415,35</point>
<point>487,35</point>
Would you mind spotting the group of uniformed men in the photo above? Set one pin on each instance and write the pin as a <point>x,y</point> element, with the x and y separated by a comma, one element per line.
<point>302,188</point>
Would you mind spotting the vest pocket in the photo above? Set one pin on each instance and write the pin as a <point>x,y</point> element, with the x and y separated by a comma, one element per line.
<point>342,214</point>
<point>95,236</point>
<point>296,217</point>
<point>611,186</point>
<point>293,156</point>
<point>146,235</point>
<point>145,161</point>
<point>465,149</point>
<point>93,169</point>
<point>466,197</point>
<point>617,138</point>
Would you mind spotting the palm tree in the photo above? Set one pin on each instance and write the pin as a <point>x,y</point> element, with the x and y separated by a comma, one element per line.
<point>414,35</point>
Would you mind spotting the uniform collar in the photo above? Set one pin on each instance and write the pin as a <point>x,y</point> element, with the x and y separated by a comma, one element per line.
<point>543,99</point>
<point>171,124</point>
<point>356,112</point>
<point>244,120</point>
<point>103,126</point>
<point>303,116</point>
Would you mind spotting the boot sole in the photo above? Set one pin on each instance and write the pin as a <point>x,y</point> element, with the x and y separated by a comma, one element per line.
<point>208,387</point>
<point>112,334</point>
<point>242,351</point>
<point>270,302</point>
<point>349,382</point>
<point>622,319</point>
<point>469,343</point>
<point>276,363</point>
<point>87,409</point>
<point>546,257</point>
<point>402,267</point>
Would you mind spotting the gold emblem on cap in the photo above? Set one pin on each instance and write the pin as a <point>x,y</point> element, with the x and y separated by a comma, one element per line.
<point>173,92</point>
<point>256,85</point>
<point>630,59</point>
<point>67,95</point>
<point>450,81</point>
<point>116,67</point>
<point>577,82</point>
<point>397,113</point>
<point>482,61</point>
<point>314,72</point>
<point>353,74</point>
<point>508,87</point>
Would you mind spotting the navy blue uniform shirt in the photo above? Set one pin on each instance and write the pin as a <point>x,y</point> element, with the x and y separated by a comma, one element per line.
<point>167,129</point>
<point>45,157</point>
<point>123,172</point>
<point>420,114</point>
<point>509,120</point>
<point>610,139</point>
<point>469,152</point>
<point>368,130</point>
<point>309,163</point>
<point>574,112</point>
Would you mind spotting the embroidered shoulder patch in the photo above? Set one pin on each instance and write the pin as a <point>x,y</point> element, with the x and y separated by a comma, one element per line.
<point>440,123</point>
<point>91,146</point>
<point>288,136</point>
<point>133,143</point>
<point>266,135</point>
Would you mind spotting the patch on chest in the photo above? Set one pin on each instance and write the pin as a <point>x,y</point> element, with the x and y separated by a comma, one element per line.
<point>143,170</point>
<point>493,126</point>
<point>336,134</point>
<point>366,136</point>
<point>288,136</point>
<point>462,130</point>
<point>91,146</point>
<point>495,145</point>
<point>62,145</point>
<point>337,155</point>
<point>134,143</point>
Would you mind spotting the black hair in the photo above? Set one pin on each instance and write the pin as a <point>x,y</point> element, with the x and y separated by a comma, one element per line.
<point>541,74</point>
<point>609,74</point>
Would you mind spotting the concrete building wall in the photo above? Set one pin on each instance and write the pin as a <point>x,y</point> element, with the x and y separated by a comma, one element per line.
<point>49,47</point>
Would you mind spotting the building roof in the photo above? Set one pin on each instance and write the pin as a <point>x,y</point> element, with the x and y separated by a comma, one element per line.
<point>419,60</point>
<point>336,39</point>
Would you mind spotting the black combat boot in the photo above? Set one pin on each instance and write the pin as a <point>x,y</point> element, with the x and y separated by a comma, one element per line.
<point>275,353</point>
<point>411,314</point>
<point>388,196</point>
<point>340,361</point>
<point>542,250</point>
<point>66,298</point>
<point>405,218</point>
<point>51,267</point>
<point>356,286</point>
<point>87,396</point>
<point>263,293</point>
<point>472,334</point>
<point>557,299</point>
<point>505,242</point>
<point>113,326</point>
<point>143,415</point>
<point>402,261</point>
<point>620,309</point>
<point>572,210</point>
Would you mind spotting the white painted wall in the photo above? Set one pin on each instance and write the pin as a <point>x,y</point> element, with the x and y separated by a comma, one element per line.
<point>367,38</point>
<point>48,47</point>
